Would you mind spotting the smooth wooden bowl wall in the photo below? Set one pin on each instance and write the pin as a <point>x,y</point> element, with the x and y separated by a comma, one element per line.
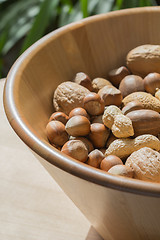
<point>94,46</point>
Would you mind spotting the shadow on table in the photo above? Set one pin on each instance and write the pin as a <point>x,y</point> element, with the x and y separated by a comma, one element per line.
<point>93,235</point>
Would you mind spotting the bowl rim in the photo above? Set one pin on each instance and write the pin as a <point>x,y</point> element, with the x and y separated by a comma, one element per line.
<point>44,149</point>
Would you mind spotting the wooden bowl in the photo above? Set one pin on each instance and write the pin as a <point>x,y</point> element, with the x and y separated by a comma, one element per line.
<point>118,207</point>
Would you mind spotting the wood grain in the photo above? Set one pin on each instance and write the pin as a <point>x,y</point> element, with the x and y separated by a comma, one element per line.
<point>118,208</point>
<point>32,205</point>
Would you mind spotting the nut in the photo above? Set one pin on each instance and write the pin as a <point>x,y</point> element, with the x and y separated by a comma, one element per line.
<point>94,158</point>
<point>99,83</point>
<point>98,135</point>
<point>120,125</point>
<point>88,143</point>
<point>56,133</point>
<point>68,96</point>
<point>79,111</point>
<point>93,104</point>
<point>97,119</point>
<point>157,93</point>
<point>130,84</point>
<point>147,100</point>
<point>116,75</point>
<point>122,148</point>
<point>151,82</point>
<point>111,95</point>
<point>59,116</point>
<point>75,149</point>
<point>145,121</point>
<point>144,59</point>
<point>110,139</point>
<point>109,162</point>
<point>132,106</point>
<point>146,164</point>
<point>121,170</point>
<point>83,79</point>
<point>78,126</point>
<point>109,115</point>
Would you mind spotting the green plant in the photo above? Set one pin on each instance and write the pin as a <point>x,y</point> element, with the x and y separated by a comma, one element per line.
<point>24,22</point>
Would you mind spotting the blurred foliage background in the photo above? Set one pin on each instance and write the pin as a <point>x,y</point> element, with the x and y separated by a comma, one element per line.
<point>22,22</point>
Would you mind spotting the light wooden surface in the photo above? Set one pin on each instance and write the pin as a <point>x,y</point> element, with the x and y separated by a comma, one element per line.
<point>32,205</point>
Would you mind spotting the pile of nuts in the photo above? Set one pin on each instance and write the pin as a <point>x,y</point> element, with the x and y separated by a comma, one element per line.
<point>112,124</point>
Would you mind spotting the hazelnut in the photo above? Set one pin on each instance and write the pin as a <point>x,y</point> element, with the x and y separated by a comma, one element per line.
<point>78,126</point>
<point>97,119</point>
<point>59,116</point>
<point>110,161</point>
<point>151,82</point>
<point>99,83</point>
<point>130,84</point>
<point>75,149</point>
<point>121,170</point>
<point>88,143</point>
<point>132,106</point>
<point>98,135</point>
<point>56,133</point>
<point>83,80</point>
<point>116,75</point>
<point>94,158</point>
<point>79,111</point>
<point>93,104</point>
<point>111,95</point>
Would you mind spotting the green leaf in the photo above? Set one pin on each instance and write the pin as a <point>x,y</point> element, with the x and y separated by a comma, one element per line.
<point>66,17</point>
<point>84,8</point>
<point>119,4</point>
<point>14,11</point>
<point>40,23</point>
<point>3,39</point>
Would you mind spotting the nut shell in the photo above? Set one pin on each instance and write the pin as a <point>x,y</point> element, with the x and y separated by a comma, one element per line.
<point>109,162</point>
<point>88,143</point>
<point>144,59</point>
<point>111,95</point>
<point>121,170</point>
<point>79,111</point>
<point>122,127</point>
<point>132,106</point>
<point>116,75</point>
<point>99,83</point>
<point>123,147</point>
<point>145,121</point>
<point>98,135</point>
<point>130,84</point>
<point>93,104</point>
<point>59,116</point>
<point>56,133</point>
<point>146,164</point>
<point>75,149</point>
<point>147,100</point>
<point>68,96</point>
<point>152,82</point>
<point>78,126</point>
<point>84,80</point>
<point>94,158</point>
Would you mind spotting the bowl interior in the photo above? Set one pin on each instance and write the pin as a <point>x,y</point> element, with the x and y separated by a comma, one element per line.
<point>94,46</point>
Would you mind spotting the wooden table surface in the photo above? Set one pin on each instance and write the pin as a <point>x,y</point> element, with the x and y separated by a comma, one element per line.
<point>32,205</point>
